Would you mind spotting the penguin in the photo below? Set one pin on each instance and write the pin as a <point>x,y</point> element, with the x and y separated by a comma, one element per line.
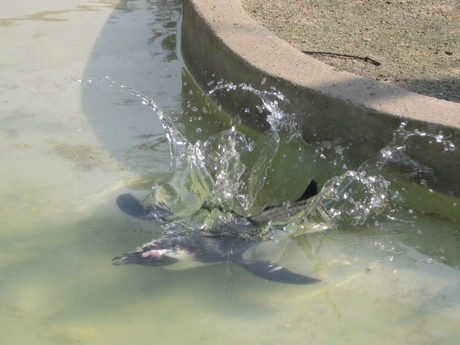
<point>228,242</point>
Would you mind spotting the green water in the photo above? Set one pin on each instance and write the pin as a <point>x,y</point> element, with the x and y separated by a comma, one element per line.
<point>71,143</point>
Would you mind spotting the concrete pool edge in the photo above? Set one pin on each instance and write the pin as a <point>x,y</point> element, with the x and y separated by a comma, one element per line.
<point>220,41</point>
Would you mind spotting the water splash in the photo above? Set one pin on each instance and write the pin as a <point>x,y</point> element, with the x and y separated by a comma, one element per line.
<point>252,175</point>
<point>230,175</point>
<point>394,155</point>
<point>273,101</point>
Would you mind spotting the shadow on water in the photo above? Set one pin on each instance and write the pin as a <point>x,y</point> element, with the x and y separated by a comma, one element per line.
<point>137,51</point>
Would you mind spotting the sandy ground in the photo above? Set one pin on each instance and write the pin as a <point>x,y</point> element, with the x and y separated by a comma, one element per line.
<point>414,44</point>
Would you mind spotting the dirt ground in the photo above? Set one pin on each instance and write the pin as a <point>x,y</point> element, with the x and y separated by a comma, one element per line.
<point>414,44</point>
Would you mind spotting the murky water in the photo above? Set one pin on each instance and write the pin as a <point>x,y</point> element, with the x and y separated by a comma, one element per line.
<point>75,134</point>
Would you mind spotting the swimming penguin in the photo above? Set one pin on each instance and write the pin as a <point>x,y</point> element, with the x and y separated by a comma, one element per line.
<point>226,242</point>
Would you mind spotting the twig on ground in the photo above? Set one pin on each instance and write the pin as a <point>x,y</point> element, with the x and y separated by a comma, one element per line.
<point>367,59</point>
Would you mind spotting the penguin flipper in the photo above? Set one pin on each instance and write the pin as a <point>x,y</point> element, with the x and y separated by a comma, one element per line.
<point>272,272</point>
<point>133,207</point>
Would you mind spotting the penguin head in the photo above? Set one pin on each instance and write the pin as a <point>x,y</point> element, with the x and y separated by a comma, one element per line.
<point>163,252</point>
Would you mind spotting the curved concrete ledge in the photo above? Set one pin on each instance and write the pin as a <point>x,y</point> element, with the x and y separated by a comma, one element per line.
<point>221,42</point>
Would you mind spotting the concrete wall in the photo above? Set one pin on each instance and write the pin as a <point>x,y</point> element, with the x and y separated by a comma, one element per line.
<point>221,42</point>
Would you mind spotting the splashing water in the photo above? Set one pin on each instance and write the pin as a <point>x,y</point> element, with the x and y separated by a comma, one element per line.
<point>230,174</point>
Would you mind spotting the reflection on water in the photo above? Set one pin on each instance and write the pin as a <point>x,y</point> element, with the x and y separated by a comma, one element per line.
<point>393,281</point>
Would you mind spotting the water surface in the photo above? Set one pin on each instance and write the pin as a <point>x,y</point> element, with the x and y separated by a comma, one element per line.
<point>74,136</point>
